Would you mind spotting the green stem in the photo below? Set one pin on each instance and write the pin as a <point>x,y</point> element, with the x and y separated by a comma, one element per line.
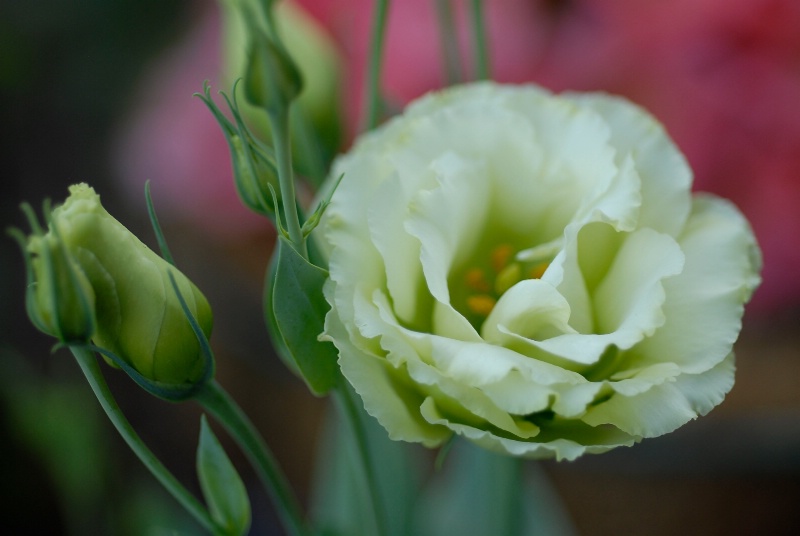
<point>347,406</point>
<point>279,124</point>
<point>90,368</point>
<point>310,145</point>
<point>449,42</point>
<point>375,63</point>
<point>481,48</point>
<point>216,401</point>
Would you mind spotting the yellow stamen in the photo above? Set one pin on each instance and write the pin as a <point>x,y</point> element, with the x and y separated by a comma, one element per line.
<point>481,304</point>
<point>500,256</point>
<point>538,271</point>
<point>475,279</point>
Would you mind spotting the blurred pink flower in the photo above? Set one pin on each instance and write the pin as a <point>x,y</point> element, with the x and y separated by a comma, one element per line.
<point>723,76</point>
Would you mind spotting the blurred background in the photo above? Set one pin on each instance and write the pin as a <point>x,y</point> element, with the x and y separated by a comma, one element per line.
<point>101,92</point>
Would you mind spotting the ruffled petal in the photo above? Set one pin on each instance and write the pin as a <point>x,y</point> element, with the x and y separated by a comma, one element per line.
<point>665,174</point>
<point>667,405</point>
<point>385,393</point>
<point>705,303</point>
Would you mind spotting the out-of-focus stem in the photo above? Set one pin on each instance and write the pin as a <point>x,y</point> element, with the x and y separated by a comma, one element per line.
<point>375,63</point>
<point>344,398</point>
<point>480,45</point>
<point>449,42</point>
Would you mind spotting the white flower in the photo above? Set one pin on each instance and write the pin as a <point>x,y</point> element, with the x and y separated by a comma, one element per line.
<point>532,272</point>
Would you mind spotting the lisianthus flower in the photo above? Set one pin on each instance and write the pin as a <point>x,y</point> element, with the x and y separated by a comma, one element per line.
<point>531,272</point>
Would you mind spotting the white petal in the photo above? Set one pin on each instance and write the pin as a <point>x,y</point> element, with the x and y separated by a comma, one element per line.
<point>561,448</point>
<point>665,175</point>
<point>400,251</point>
<point>667,405</point>
<point>383,391</point>
<point>704,303</point>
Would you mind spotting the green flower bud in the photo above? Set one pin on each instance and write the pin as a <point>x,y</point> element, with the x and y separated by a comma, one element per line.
<point>272,79</point>
<point>253,172</point>
<point>139,315</point>
<point>316,131</point>
<point>60,299</point>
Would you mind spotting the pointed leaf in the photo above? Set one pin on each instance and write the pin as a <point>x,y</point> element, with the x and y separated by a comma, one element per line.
<point>300,308</point>
<point>222,487</point>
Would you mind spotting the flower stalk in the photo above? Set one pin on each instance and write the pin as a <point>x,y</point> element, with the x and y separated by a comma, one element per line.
<point>88,363</point>
<point>279,124</point>
<point>214,399</point>
<point>449,42</point>
<point>374,67</point>
<point>479,42</point>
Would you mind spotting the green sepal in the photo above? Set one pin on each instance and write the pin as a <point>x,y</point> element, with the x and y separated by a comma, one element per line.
<point>316,216</point>
<point>222,487</point>
<point>151,211</point>
<point>299,308</point>
<point>168,391</point>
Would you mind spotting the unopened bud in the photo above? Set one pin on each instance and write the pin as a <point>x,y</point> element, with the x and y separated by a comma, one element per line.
<point>272,80</point>
<point>138,312</point>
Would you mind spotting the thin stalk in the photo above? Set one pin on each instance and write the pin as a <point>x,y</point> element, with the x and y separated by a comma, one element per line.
<point>375,63</point>
<point>90,368</point>
<point>279,124</point>
<point>221,406</point>
<point>479,42</point>
<point>347,406</point>
<point>311,147</point>
<point>449,42</point>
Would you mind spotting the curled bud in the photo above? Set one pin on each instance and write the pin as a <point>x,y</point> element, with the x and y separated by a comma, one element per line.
<point>138,312</point>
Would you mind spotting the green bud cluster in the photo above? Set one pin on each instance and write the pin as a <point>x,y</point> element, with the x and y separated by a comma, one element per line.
<point>92,279</point>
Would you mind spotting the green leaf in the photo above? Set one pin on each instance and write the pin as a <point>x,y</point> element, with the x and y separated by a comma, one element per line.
<point>300,308</point>
<point>222,487</point>
<point>269,317</point>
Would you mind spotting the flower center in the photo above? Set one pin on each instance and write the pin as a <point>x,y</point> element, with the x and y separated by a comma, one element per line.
<point>486,285</point>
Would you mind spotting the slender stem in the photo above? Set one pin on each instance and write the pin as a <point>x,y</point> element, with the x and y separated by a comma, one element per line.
<point>449,42</point>
<point>279,124</point>
<point>90,368</point>
<point>481,48</point>
<point>311,147</point>
<point>375,63</point>
<point>347,406</point>
<point>216,401</point>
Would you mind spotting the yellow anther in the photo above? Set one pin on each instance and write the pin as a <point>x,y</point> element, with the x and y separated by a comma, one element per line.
<point>538,271</point>
<point>481,304</point>
<point>475,279</point>
<point>507,278</point>
<point>500,256</point>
